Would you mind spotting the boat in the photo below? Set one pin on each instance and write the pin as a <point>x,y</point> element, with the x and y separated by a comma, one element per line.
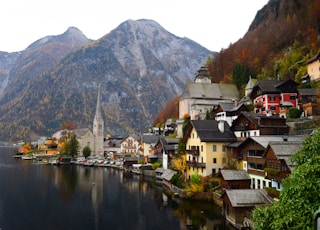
<point>27,157</point>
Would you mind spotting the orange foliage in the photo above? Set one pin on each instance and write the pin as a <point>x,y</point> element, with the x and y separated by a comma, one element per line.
<point>70,125</point>
<point>170,111</point>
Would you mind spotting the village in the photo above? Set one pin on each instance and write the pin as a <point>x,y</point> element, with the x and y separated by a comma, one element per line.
<point>248,150</point>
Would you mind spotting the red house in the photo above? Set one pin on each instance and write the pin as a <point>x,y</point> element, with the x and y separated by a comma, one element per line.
<point>274,96</point>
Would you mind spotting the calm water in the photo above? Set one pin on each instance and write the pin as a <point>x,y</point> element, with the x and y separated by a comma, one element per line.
<point>38,196</point>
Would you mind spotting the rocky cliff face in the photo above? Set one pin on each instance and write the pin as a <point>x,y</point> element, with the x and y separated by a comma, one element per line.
<point>139,65</point>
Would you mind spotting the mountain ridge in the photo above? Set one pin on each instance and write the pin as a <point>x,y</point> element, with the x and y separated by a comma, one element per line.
<point>139,74</point>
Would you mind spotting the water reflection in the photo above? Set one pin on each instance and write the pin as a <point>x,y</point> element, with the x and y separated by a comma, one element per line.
<point>79,197</point>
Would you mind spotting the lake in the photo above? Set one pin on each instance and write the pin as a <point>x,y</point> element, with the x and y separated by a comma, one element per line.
<point>42,196</point>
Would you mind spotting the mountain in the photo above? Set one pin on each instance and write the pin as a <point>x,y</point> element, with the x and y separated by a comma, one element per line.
<point>278,29</point>
<point>139,65</point>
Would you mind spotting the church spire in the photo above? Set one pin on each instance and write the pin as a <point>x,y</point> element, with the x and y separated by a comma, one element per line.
<point>98,125</point>
<point>98,114</point>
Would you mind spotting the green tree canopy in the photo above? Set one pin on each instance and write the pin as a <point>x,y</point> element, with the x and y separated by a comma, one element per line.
<point>300,197</point>
<point>86,151</point>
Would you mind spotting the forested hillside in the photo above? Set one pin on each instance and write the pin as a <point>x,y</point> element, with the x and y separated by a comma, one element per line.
<point>281,37</point>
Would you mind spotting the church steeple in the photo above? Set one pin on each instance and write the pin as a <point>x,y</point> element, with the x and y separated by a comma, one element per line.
<point>98,114</point>
<point>203,75</point>
<point>98,125</point>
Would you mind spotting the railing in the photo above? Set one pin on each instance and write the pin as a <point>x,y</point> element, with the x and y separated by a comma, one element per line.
<point>196,164</point>
<point>193,152</point>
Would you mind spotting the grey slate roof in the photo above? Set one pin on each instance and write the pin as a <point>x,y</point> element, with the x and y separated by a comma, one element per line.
<point>284,150</point>
<point>248,197</point>
<point>80,132</point>
<point>208,131</point>
<point>150,139</point>
<point>211,91</point>
<point>229,106</point>
<point>265,140</point>
<point>230,174</point>
<point>168,174</point>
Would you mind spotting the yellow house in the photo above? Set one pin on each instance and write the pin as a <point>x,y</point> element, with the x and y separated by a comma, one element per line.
<point>313,65</point>
<point>206,142</point>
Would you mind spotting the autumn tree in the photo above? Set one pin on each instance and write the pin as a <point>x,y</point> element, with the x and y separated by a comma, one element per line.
<point>70,147</point>
<point>69,125</point>
<point>170,111</point>
<point>179,163</point>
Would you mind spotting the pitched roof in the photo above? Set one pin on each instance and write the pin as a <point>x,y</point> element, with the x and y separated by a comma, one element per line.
<point>150,138</point>
<point>230,106</point>
<point>211,91</point>
<point>314,58</point>
<point>248,197</point>
<point>272,86</point>
<point>308,91</point>
<point>255,118</point>
<point>168,174</point>
<point>284,150</point>
<point>266,139</point>
<point>80,132</point>
<point>208,131</point>
<point>231,174</point>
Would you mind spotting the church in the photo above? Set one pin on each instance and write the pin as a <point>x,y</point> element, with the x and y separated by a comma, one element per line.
<point>93,139</point>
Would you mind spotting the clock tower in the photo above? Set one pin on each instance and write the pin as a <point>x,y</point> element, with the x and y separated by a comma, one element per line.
<point>98,125</point>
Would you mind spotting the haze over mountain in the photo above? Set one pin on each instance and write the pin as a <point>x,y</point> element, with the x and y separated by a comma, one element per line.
<point>139,65</point>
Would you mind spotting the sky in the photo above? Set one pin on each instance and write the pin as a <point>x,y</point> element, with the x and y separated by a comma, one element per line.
<point>214,24</point>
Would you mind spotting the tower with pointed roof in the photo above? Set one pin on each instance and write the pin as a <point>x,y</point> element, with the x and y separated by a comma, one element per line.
<point>98,125</point>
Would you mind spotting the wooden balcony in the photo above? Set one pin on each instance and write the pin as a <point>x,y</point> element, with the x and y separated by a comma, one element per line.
<point>193,152</point>
<point>257,172</point>
<point>196,164</point>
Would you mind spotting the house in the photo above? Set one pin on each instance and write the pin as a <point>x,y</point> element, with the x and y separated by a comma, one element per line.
<point>206,142</point>
<point>229,111</point>
<point>252,124</point>
<point>201,95</point>
<point>49,147</point>
<point>166,177</point>
<point>235,179</point>
<point>130,145</point>
<point>308,101</point>
<point>253,157</point>
<point>278,165</point>
<point>274,96</point>
<point>238,204</point>
<point>169,147</point>
<point>149,147</point>
<point>112,147</point>
<point>313,67</point>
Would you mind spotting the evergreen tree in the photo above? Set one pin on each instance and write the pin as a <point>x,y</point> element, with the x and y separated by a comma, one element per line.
<point>86,151</point>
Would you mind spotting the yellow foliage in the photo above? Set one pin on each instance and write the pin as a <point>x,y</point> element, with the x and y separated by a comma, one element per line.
<point>179,163</point>
<point>196,187</point>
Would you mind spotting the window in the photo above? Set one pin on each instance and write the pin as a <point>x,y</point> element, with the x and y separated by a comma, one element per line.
<point>223,148</point>
<point>272,107</point>
<point>292,98</point>
<point>193,136</point>
<point>214,148</point>
<point>201,148</point>
<point>272,98</point>
<point>214,160</point>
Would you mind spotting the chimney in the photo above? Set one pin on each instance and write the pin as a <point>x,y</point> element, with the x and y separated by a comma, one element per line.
<point>221,126</point>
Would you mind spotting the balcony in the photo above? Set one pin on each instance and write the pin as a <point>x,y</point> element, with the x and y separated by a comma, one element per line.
<point>193,152</point>
<point>196,164</point>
